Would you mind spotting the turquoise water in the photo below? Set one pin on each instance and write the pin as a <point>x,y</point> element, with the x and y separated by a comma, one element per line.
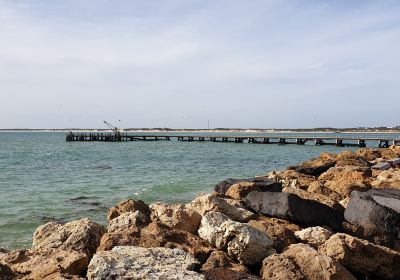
<point>43,177</point>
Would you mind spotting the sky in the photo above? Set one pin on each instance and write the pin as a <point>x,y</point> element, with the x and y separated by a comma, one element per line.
<point>180,64</point>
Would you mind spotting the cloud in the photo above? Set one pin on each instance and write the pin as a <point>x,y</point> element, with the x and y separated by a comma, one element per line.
<point>178,61</point>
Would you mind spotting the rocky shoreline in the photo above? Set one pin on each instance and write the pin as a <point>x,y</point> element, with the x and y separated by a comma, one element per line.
<point>332,217</point>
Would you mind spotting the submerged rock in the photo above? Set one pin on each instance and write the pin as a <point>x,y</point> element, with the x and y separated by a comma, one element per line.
<point>292,207</point>
<point>129,262</point>
<point>300,262</point>
<point>212,202</point>
<point>377,214</point>
<point>242,242</point>
<point>363,257</point>
<point>40,264</point>
<point>176,216</point>
<point>80,235</point>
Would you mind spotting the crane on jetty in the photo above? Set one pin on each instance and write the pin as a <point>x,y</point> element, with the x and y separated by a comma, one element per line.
<point>117,132</point>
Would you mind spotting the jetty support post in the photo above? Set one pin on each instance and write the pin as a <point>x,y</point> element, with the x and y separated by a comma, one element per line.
<point>383,143</point>
<point>300,141</point>
<point>361,143</point>
<point>282,141</point>
<point>319,142</point>
<point>266,140</point>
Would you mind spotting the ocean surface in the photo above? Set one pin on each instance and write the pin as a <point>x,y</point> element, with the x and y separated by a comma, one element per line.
<point>45,178</point>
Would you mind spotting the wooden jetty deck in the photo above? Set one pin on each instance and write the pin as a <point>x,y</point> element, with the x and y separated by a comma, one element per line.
<point>252,139</point>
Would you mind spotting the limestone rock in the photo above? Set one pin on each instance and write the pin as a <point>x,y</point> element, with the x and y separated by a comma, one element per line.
<point>80,235</point>
<point>388,179</point>
<point>363,257</point>
<point>129,205</point>
<point>212,202</point>
<point>176,216</point>
<point>316,197</point>
<point>377,214</point>
<point>292,178</point>
<point>239,191</point>
<point>40,264</point>
<point>302,262</point>
<point>319,188</point>
<point>314,236</point>
<point>315,167</point>
<point>345,179</point>
<point>219,259</point>
<point>158,235</point>
<point>289,206</point>
<point>281,234</point>
<point>262,182</point>
<point>125,221</point>
<point>242,242</point>
<point>129,262</point>
<point>227,274</point>
<point>369,153</point>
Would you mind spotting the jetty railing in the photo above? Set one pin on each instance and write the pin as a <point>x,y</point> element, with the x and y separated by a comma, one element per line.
<point>251,139</point>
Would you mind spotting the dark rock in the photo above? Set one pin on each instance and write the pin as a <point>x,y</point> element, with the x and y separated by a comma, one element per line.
<point>290,206</point>
<point>227,274</point>
<point>376,213</point>
<point>6,273</point>
<point>315,169</point>
<point>261,182</point>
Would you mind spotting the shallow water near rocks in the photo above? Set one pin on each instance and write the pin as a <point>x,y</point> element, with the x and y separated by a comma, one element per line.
<point>44,178</point>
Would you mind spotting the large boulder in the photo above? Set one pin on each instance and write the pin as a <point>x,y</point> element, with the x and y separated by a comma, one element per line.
<point>239,191</point>
<point>300,262</point>
<point>131,262</point>
<point>282,234</point>
<point>289,206</point>
<point>227,274</point>
<point>219,259</point>
<point>345,179</point>
<point>176,216</point>
<point>369,153</point>
<point>315,167</point>
<point>261,182</point>
<point>377,214</point>
<point>292,178</point>
<point>363,257</point>
<point>212,202</point>
<point>40,263</point>
<point>316,197</point>
<point>314,236</point>
<point>129,205</point>
<point>242,242</point>
<point>127,220</point>
<point>388,179</point>
<point>80,235</point>
<point>319,188</point>
<point>158,235</point>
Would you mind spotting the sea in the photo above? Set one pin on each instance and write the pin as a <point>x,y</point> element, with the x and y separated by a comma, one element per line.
<point>44,178</point>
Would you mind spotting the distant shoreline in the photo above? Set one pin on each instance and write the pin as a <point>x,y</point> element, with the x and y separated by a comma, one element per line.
<point>317,130</point>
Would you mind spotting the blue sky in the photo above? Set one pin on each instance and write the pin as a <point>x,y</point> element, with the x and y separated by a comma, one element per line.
<point>263,64</point>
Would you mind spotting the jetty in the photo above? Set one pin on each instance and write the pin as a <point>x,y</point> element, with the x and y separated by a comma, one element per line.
<point>118,136</point>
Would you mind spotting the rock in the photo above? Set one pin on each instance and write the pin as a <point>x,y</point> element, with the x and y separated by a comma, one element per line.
<point>239,191</point>
<point>129,206</point>
<point>158,235</point>
<point>230,207</point>
<point>315,167</point>
<point>363,257</point>
<point>291,178</point>
<point>344,202</point>
<point>219,259</point>
<point>369,153</point>
<point>313,236</point>
<point>227,274</point>
<point>302,262</point>
<point>290,206</point>
<point>44,263</point>
<point>176,216</point>
<point>262,182</point>
<point>280,234</point>
<point>346,179</point>
<point>81,235</point>
<point>127,220</point>
<point>350,158</point>
<point>388,179</point>
<point>316,197</point>
<point>319,188</point>
<point>129,262</point>
<point>242,242</point>
<point>6,272</point>
<point>377,214</point>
